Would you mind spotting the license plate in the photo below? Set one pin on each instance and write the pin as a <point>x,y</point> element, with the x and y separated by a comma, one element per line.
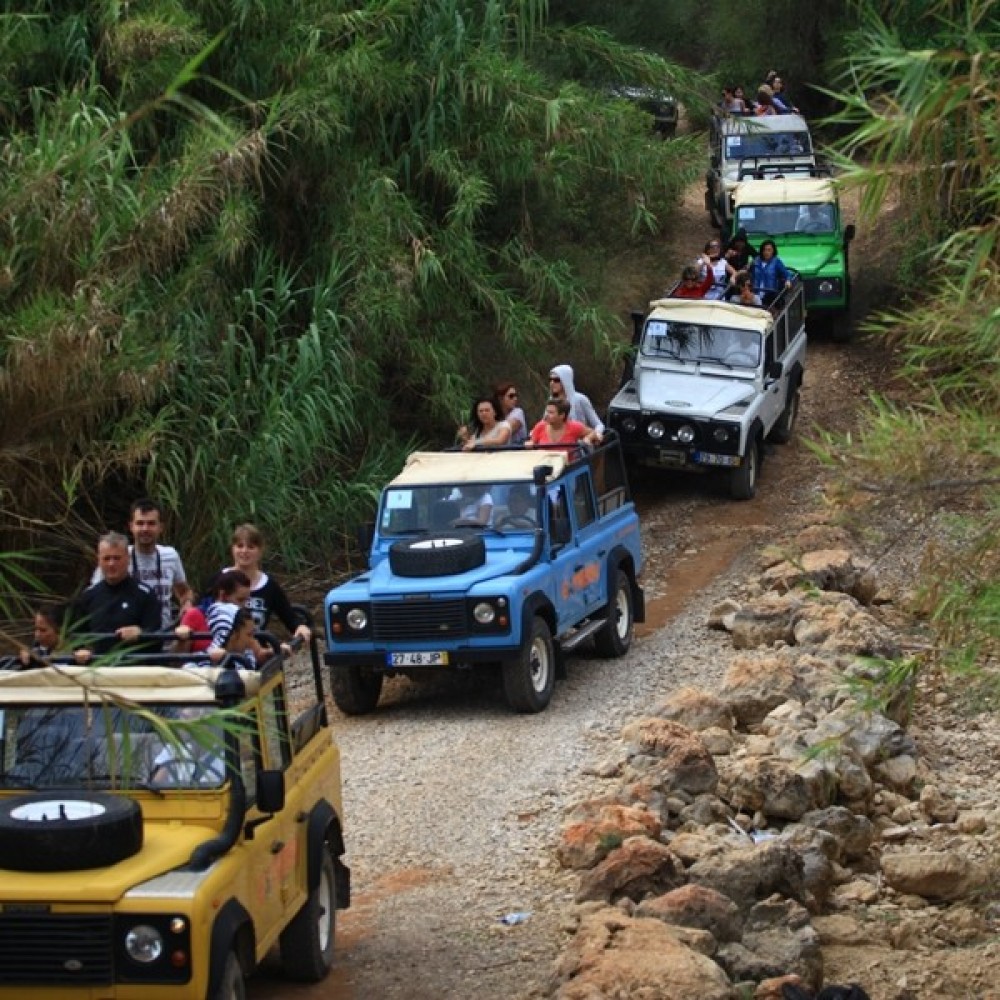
<point>417,659</point>
<point>670,456</point>
<point>707,458</point>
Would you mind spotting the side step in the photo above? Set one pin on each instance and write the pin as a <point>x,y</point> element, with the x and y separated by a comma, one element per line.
<point>581,633</point>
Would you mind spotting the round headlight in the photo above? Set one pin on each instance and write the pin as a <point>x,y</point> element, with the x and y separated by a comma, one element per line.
<point>826,287</point>
<point>720,434</point>
<point>629,425</point>
<point>484,613</point>
<point>685,434</point>
<point>357,619</point>
<point>144,943</point>
<point>656,430</point>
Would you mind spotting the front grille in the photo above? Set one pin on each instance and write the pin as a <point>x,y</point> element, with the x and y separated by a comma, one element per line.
<point>703,439</point>
<point>42,949</point>
<point>423,619</point>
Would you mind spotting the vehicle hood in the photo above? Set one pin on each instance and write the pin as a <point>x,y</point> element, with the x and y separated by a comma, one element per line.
<point>690,394</point>
<point>381,582</point>
<point>808,255</point>
<point>165,847</point>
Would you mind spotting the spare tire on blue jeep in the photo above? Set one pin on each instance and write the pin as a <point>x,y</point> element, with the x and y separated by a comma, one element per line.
<point>437,555</point>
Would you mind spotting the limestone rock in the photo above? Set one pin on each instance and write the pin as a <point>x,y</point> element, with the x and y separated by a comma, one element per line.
<point>696,709</point>
<point>749,874</point>
<point>638,868</point>
<point>584,843</point>
<point>628,958</point>
<point>934,875</point>
<point>683,761</point>
<point>698,907</point>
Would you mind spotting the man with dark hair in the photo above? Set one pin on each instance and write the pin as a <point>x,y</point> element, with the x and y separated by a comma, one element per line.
<point>117,605</point>
<point>157,566</point>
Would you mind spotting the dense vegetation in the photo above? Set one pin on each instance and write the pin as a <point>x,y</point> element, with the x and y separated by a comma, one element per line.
<point>249,252</point>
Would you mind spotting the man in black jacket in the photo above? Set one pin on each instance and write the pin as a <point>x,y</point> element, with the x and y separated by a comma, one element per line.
<point>117,603</point>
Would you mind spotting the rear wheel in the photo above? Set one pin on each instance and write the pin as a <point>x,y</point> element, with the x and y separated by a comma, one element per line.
<point>528,681</point>
<point>307,942</point>
<point>743,479</point>
<point>616,637</point>
<point>356,690</point>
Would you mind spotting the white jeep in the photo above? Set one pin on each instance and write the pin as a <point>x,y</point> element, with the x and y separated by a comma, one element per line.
<point>710,382</point>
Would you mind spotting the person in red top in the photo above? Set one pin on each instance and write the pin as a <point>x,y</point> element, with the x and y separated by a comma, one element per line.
<point>692,284</point>
<point>556,428</point>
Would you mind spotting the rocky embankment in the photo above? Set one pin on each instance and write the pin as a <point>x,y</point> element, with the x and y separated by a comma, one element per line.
<point>748,833</point>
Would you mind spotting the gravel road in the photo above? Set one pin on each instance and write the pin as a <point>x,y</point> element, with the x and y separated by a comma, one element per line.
<point>453,803</point>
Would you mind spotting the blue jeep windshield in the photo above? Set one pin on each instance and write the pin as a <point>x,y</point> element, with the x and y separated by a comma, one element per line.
<point>692,342</point>
<point>417,510</point>
<point>781,220</point>
<point>101,747</point>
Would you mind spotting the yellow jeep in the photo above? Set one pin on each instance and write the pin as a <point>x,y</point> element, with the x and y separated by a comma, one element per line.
<point>161,828</point>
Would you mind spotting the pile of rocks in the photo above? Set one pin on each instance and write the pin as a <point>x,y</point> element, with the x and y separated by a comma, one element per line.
<point>742,827</point>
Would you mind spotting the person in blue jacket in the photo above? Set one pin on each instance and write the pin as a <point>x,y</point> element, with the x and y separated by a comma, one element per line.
<point>768,273</point>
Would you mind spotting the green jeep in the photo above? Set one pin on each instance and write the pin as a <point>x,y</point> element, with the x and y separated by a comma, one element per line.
<point>801,214</point>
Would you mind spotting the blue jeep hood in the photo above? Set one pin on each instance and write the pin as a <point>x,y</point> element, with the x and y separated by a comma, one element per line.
<point>382,582</point>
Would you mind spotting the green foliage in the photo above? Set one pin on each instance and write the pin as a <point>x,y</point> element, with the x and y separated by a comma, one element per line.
<point>923,129</point>
<point>250,253</point>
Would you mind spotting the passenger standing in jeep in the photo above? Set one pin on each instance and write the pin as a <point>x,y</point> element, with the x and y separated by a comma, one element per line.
<point>266,595</point>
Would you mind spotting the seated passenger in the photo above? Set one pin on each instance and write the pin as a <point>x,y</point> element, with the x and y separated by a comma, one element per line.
<point>743,294</point>
<point>555,428</point>
<point>722,271</point>
<point>769,274</point>
<point>475,503</point>
<point>814,219</point>
<point>693,285</point>
<point>520,505</point>
<point>195,759</point>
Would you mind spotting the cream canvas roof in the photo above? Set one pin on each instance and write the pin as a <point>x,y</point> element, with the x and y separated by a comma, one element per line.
<point>785,191</point>
<point>424,468</point>
<point>69,685</point>
<point>710,312</point>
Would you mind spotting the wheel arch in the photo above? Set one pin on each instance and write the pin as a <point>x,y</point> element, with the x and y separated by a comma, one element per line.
<point>755,438</point>
<point>621,558</point>
<point>538,605</point>
<point>232,930</point>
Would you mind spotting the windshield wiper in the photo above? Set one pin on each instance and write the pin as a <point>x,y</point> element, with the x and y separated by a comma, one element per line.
<point>716,361</point>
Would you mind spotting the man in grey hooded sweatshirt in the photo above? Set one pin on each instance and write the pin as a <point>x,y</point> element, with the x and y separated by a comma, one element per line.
<point>561,386</point>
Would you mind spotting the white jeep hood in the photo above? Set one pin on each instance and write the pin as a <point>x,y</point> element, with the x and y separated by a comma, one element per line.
<point>689,393</point>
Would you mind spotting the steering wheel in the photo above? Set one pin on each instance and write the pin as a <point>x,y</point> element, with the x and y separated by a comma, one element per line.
<point>466,522</point>
<point>516,521</point>
<point>816,226</point>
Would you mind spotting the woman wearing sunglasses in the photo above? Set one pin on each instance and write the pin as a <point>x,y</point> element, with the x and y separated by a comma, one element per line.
<point>506,393</point>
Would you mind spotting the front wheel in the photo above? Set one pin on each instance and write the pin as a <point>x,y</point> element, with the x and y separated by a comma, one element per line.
<point>615,638</point>
<point>307,942</point>
<point>743,479</point>
<point>232,986</point>
<point>785,425</point>
<point>528,681</point>
<point>356,690</point>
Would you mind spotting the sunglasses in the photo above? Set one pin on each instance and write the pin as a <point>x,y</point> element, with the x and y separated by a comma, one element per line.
<point>512,394</point>
<point>554,378</point>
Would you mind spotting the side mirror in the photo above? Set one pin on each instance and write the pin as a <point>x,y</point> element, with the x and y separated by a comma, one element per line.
<point>270,791</point>
<point>849,233</point>
<point>775,370</point>
<point>364,536</point>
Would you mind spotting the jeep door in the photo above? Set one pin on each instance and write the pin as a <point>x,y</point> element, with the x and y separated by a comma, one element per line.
<point>570,597</point>
<point>775,389</point>
<point>589,532</point>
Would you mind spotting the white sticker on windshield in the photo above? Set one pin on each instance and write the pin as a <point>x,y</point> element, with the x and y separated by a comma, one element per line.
<point>399,500</point>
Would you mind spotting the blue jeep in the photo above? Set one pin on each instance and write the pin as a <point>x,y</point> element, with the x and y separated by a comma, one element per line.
<point>511,556</point>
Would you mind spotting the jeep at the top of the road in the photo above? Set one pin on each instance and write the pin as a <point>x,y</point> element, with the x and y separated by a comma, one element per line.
<point>511,556</point>
<point>709,382</point>
<point>162,826</point>
<point>801,213</point>
<point>657,103</point>
<point>739,141</point>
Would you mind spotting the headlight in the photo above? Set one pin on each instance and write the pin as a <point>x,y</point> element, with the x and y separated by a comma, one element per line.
<point>357,619</point>
<point>656,430</point>
<point>826,287</point>
<point>484,613</point>
<point>629,425</point>
<point>144,944</point>
<point>685,434</point>
<point>720,434</point>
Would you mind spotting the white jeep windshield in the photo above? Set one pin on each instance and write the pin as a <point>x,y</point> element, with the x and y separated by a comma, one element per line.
<point>691,342</point>
<point>767,144</point>
<point>416,510</point>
